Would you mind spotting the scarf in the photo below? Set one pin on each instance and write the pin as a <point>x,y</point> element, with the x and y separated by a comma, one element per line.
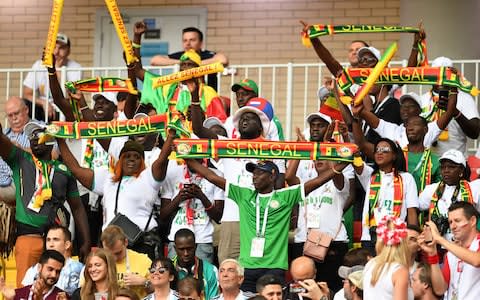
<point>107,129</point>
<point>321,30</point>
<point>102,84</point>
<point>121,31</point>
<point>43,184</point>
<point>202,148</point>
<point>409,75</point>
<point>425,165</point>
<point>375,184</point>
<point>187,74</point>
<point>462,188</point>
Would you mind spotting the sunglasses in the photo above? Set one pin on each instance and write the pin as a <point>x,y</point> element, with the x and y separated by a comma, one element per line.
<point>186,298</point>
<point>367,60</point>
<point>160,270</point>
<point>383,150</point>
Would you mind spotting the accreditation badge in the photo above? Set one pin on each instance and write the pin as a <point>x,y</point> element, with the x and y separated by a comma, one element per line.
<point>258,246</point>
<point>313,218</point>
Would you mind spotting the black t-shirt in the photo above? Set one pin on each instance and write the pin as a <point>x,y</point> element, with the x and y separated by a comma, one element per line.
<point>388,111</point>
<point>204,54</point>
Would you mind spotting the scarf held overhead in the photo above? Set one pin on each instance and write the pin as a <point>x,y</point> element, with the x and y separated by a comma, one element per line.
<point>201,148</point>
<point>408,75</point>
<point>187,74</point>
<point>102,84</point>
<point>52,33</point>
<point>318,30</point>
<point>107,129</point>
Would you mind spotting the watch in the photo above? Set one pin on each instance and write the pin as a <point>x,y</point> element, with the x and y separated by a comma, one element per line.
<point>147,284</point>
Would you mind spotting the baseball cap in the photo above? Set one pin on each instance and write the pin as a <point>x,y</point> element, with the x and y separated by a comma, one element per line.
<point>263,105</point>
<point>264,165</point>
<point>133,146</point>
<point>247,108</point>
<point>413,96</point>
<point>212,121</point>
<point>31,127</point>
<point>357,279</point>
<point>314,115</point>
<point>442,61</point>
<point>63,38</point>
<point>322,93</point>
<point>246,84</point>
<point>455,156</point>
<point>110,96</point>
<point>345,271</point>
<point>370,49</point>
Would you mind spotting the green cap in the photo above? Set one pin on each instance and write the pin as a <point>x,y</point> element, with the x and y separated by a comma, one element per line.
<point>246,84</point>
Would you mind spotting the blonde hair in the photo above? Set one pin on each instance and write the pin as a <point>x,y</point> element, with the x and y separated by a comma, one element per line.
<point>389,254</point>
<point>88,290</point>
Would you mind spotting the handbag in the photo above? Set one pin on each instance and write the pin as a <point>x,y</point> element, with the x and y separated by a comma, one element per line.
<point>317,243</point>
<point>131,230</point>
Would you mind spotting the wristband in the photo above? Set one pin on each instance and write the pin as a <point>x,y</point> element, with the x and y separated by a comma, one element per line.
<point>357,161</point>
<point>335,171</point>
<point>83,108</point>
<point>458,115</point>
<point>52,74</point>
<point>433,260</point>
<point>196,103</point>
<point>136,46</point>
<point>210,207</point>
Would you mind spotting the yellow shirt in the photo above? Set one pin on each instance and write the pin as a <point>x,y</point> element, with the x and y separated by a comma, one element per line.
<point>136,263</point>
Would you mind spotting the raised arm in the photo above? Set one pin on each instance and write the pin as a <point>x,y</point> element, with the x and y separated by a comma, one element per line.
<point>159,166</point>
<point>316,182</point>
<point>417,38</point>
<point>6,145</point>
<point>292,167</point>
<point>451,111</point>
<point>332,64</point>
<point>207,173</point>
<point>197,113</point>
<point>84,175</point>
<point>57,94</point>
<point>365,146</point>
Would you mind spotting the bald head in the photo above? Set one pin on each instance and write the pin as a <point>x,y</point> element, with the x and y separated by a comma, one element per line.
<point>17,113</point>
<point>303,268</point>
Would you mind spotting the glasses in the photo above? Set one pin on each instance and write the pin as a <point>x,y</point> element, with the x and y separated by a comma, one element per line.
<point>383,150</point>
<point>367,60</point>
<point>186,298</point>
<point>160,270</point>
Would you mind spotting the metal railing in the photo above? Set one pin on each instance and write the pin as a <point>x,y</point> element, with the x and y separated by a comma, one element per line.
<point>291,87</point>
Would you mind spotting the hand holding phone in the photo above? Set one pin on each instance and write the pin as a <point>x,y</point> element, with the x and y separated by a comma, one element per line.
<point>427,231</point>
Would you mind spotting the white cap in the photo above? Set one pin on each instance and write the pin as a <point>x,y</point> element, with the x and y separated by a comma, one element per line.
<point>442,61</point>
<point>370,49</point>
<point>263,117</point>
<point>357,279</point>
<point>110,96</point>
<point>212,121</point>
<point>314,115</point>
<point>455,156</point>
<point>413,96</point>
<point>344,271</point>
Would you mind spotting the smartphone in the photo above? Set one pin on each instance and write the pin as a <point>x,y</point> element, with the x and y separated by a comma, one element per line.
<point>443,94</point>
<point>296,288</point>
<point>428,234</point>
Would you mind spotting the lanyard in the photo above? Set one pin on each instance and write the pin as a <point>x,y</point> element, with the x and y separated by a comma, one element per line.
<point>265,216</point>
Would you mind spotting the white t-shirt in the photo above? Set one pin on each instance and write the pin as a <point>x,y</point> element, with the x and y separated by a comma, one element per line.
<point>385,198</point>
<point>383,289</point>
<point>324,211</point>
<point>234,172</point>
<point>398,133</point>
<point>232,132</point>
<point>425,198</point>
<point>462,277</point>
<point>135,198</point>
<point>39,80</point>
<point>202,224</point>
<point>456,137</point>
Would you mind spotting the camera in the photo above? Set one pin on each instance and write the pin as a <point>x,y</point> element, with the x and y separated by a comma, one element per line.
<point>441,222</point>
<point>296,288</point>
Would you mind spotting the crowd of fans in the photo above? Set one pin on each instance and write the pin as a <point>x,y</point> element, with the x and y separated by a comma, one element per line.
<point>235,228</point>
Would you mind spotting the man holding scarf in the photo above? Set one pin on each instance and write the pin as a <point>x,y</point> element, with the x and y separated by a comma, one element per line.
<point>42,185</point>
